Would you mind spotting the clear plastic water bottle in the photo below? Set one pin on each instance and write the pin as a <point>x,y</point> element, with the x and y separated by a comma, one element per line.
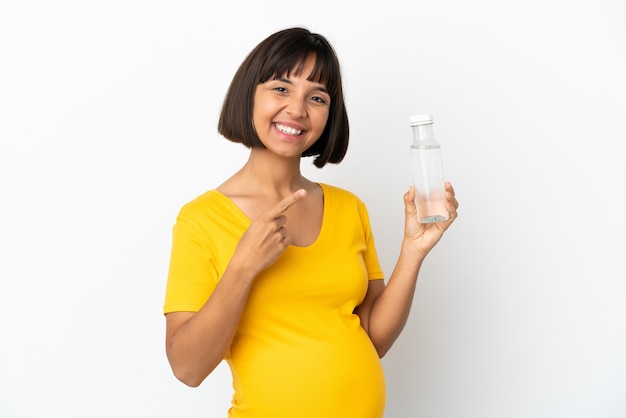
<point>427,170</point>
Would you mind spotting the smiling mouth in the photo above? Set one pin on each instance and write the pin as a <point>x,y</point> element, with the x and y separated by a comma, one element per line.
<point>287,129</point>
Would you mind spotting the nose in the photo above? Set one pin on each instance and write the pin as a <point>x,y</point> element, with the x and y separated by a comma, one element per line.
<point>297,106</point>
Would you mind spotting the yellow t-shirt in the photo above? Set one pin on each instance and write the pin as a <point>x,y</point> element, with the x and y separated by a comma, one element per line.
<point>299,350</point>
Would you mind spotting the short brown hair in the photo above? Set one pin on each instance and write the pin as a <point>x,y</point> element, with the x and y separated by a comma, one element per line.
<point>279,54</point>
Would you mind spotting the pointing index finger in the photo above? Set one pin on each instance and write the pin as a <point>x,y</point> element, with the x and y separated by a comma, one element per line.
<point>286,203</point>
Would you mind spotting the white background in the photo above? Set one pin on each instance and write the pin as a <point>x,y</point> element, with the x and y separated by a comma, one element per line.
<point>108,114</point>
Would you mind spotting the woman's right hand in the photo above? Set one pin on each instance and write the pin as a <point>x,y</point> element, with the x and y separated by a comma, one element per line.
<point>267,238</point>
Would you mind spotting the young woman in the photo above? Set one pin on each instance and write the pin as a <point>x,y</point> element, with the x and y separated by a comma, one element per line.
<point>277,274</point>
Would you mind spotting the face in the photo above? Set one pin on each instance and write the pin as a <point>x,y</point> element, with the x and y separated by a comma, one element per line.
<point>290,113</point>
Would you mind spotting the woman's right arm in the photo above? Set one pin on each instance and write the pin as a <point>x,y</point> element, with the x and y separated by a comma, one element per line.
<point>196,342</point>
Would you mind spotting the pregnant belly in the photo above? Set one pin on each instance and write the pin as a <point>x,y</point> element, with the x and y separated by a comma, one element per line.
<point>335,377</point>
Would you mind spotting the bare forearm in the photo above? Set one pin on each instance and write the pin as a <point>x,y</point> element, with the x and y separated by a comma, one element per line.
<point>201,342</point>
<point>391,309</point>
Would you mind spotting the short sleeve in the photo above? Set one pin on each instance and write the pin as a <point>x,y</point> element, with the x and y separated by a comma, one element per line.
<point>192,275</point>
<point>370,256</point>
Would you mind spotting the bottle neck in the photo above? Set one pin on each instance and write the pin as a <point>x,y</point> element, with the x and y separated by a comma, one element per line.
<point>423,134</point>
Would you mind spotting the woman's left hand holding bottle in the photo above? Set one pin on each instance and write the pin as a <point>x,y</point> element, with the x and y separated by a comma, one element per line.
<point>424,236</point>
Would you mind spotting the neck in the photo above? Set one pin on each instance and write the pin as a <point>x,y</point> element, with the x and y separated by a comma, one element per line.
<point>270,173</point>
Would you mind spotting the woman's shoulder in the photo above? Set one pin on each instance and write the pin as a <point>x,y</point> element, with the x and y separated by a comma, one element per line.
<point>203,198</point>
<point>209,200</point>
<point>341,194</point>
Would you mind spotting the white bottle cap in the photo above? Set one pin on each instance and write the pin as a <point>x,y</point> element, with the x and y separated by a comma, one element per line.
<point>422,119</point>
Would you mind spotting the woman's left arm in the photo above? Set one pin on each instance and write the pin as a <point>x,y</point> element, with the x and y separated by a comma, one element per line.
<point>385,309</point>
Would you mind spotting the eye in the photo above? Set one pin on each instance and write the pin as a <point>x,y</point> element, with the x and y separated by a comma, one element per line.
<point>280,89</point>
<point>319,99</point>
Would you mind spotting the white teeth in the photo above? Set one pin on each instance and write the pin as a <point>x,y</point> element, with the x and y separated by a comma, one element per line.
<point>288,130</point>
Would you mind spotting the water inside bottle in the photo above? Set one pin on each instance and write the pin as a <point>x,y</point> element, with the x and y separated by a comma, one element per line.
<point>429,183</point>
<point>430,211</point>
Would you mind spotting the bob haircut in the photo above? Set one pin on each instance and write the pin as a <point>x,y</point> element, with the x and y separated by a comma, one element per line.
<point>280,54</point>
